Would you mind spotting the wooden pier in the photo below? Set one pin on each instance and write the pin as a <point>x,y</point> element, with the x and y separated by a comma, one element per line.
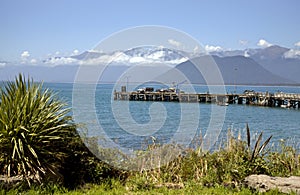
<point>280,99</point>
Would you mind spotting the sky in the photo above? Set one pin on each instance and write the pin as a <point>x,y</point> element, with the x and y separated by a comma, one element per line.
<point>39,29</point>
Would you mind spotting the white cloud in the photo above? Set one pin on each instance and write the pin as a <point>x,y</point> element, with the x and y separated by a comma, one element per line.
<point>210,48</point>
<point>25,57</point>
<point>2,64</point>
<point>292,53</point>
<point>137,60</point>
<point>196,49</point>
<point>297,44</point>
<point>75,52</point>
<point>25,54</point>
<point>178,61</point>
<point>117,57</point>
<point>243,42</point>
<point>264,43</point>
<point>33,61</point>
<point>174,43</point>
<point>54,61</point>
<point>121,58</point>
<point>96,51</point>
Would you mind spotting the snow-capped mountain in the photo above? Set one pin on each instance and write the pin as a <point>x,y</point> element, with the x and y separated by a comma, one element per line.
<point>136,55</point>
<point>278,60</point>
<point>148,55</point>
<point>278,64</point>
<point>271,52</point>
<point>158,54</point>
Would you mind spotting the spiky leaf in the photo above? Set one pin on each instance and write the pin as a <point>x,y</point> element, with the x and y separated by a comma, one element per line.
<point>34,127</point>
<point>248,135</point>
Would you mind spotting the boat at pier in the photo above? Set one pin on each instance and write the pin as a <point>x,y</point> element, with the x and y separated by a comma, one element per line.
<point>223,104</point>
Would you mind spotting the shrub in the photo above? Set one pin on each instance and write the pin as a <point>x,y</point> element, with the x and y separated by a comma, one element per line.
<point>34,126</point>
<point>81,166</point>
<point>228,166</point>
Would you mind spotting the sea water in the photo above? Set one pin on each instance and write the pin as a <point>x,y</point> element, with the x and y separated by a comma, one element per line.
<point>134,124</point>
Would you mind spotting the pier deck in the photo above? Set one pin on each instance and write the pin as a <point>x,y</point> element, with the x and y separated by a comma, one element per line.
<point>280,99</point>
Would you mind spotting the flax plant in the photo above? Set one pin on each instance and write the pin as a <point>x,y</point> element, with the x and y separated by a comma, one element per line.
<point>34,127</point>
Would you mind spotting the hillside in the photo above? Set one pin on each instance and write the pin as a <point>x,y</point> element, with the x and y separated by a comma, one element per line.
<point>234,70</point>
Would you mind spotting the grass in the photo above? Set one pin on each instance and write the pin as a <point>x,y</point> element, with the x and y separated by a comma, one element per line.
<point>196,172</point>
<point>115,187</point>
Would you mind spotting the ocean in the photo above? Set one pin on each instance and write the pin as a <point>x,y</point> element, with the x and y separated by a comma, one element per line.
<point>135,124</point>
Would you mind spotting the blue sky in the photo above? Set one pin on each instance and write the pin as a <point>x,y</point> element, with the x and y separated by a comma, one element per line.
<point>43,28</point>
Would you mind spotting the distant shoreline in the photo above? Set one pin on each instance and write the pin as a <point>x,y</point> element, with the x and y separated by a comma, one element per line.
<point>199,84</point>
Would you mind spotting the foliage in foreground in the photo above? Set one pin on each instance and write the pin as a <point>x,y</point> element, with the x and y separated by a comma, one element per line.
<point>39,141</point>
<point>116,187</point>
<point>34,125</point>
<point>227,167</point>
<point>199,172</point>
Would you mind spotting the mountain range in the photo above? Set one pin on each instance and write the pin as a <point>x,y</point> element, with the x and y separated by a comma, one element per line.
<point>274,65</point>
<point>234,70</point>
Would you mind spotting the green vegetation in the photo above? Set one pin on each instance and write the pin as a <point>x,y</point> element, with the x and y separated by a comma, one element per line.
<point>33,126</point>
<point>39,145</point>
<point>115,187</point>
<point>38,139</point>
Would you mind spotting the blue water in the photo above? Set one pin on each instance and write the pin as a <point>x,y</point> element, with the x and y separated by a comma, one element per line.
<point>144,121</point>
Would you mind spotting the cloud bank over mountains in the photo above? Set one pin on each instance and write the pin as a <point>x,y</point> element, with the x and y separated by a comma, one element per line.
<point>145,55</point>
<point>279,64</point>
<point>263,43</point>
